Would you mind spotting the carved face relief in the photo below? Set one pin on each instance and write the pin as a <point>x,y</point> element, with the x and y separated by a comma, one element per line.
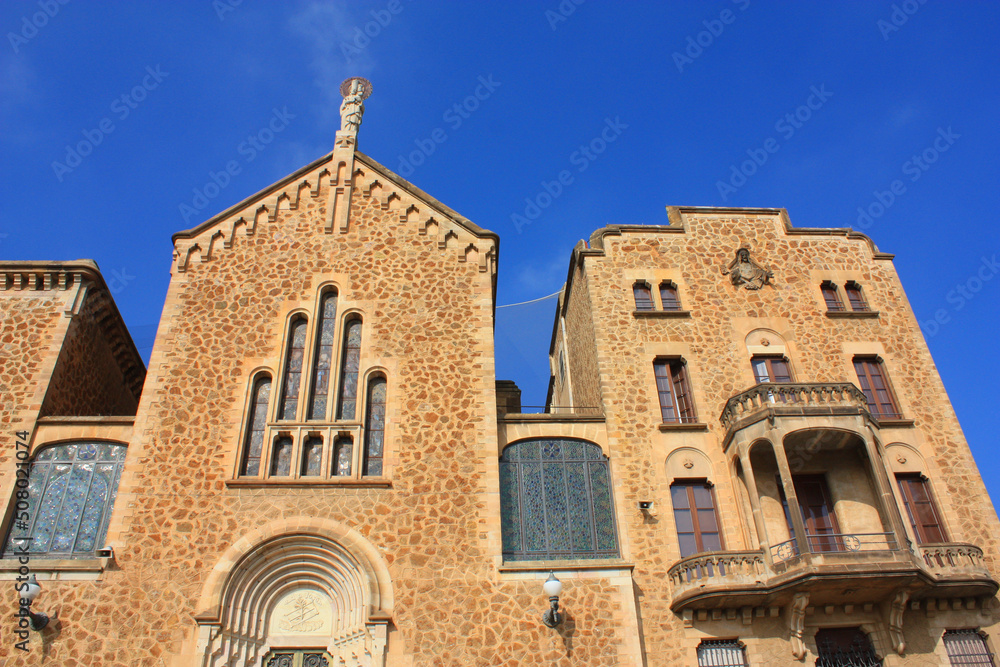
<point>746,272</point>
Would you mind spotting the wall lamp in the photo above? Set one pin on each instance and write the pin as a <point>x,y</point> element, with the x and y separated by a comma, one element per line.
<point>552,588</point>
<point>29,591</point>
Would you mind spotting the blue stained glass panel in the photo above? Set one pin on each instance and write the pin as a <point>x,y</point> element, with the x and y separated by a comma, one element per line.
<point>281,464</point>
<point>555,501</point>
<point>70,498</point>
<point>510,508</point>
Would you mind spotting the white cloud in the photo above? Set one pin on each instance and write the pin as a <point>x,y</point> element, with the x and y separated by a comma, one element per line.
<point>327,29</point>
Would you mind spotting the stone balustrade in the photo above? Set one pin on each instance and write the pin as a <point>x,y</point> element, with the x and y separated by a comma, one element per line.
<point>805,398</point>
<point>953,558</point>
<point>737,569</point>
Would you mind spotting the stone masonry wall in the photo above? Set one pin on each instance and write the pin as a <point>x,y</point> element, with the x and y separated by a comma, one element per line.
<point>87,380</point>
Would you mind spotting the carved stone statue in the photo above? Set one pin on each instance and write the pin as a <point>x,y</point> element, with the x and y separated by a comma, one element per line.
<point>355,91</point>
<point>744,271</point>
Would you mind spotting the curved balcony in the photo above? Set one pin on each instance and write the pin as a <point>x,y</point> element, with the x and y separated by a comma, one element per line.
<point>768,400</point>
<point>845,569</point>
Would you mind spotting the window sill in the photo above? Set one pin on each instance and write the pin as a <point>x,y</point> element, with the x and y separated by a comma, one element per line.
<point>852,314</point>
<point>580,565</point>
<point>69,569</point>
<point>364,483</point>
<point>682,426</point>
<point>895,423</point>
<point>658,314</point>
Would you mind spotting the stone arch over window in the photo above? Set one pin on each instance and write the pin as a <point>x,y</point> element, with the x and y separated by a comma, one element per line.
<point>375,413</point>
<point>291,381</point>
<point>324,353</point>
<point>300,583</point>
<point>766,342</point>
<point>350,363</point>
<point>71,494</point>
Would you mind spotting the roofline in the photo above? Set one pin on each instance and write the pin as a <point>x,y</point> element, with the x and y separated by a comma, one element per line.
<point>370,162</point>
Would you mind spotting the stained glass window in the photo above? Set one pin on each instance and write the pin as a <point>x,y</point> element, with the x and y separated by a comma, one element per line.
<point>71,493</point>
<point>255,427</point>
<point>350,361</point>
<point>293,370</point>
<point>375,427</point>
<point>312,456</point>
<point>306,658</point>
<point>324,357</point>
<point>343,450</point>
<point>281,458</point>
<point>555,501</point>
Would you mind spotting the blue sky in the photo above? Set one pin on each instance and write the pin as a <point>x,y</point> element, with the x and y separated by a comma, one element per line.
<point>169,93</point>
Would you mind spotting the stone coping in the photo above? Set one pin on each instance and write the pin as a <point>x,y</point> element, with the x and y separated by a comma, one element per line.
<point>375,483</point>
<point>681,426</point>
<point>661,314</point>
<point>852,314</point>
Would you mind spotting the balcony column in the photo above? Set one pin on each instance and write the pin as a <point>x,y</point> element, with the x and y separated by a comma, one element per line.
<point>794,509</point>
<point>882,477</point>
<point>751,484</point>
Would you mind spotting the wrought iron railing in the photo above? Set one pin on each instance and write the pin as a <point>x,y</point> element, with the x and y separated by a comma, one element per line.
<point>836,542</point>
<point>767,394</point>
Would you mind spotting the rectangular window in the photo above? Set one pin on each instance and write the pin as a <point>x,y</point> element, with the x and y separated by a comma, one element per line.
<point>920,509</point>
<point>831,297</point>
<point>721,653</point>
<point>695,518</point>
<point>676,402</point>
<point>855,297</point>
<point>822,529</point>
<point>875,385</point>
<point>771,369</point>
<point>967,647</point>
<point>643,296</point>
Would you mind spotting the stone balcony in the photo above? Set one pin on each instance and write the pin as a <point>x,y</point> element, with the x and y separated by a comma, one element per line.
<point>843,569</point>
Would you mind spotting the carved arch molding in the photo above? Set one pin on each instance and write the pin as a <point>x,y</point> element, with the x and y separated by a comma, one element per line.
<point>297,591</point>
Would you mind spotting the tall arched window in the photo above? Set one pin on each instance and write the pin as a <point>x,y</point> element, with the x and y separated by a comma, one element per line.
<point>293,370</point>
<point>350,361</point>
<point>71,493</point>
<point>256,425</point>
<point>324,356</point>
<point>375,427</point>
<point>555,501</point>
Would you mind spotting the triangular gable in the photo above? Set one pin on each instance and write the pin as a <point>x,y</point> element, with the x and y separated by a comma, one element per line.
<point>454,232</point>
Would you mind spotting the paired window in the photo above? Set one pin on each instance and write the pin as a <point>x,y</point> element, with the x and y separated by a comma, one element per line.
<point>71,494</point>
<point>696,520</point>
<point>721,653</point>
<point>967,647</point>
<point>555,501</point>
<point>875,384</point>
<point>674,390</point>
<point>845,647</point>
<point>304,442</point>
<point>643,295</point>
<point>920,508</point>
<point>855,297</point>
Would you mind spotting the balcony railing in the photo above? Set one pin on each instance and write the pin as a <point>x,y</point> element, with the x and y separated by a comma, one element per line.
<point>953,559</point>
<point>799,398</point>
<point>837,542</point>
<point>724,568</point>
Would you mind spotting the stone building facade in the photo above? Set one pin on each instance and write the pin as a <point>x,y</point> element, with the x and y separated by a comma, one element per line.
<point>748,456</point>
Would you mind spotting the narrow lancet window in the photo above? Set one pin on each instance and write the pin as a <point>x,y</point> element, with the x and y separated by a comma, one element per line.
<point>350,361</point>
<point>375,427</point>
<point>255,427</point>
<point>293,370</point>
<point>343,450</point>
<point>324,357</point>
